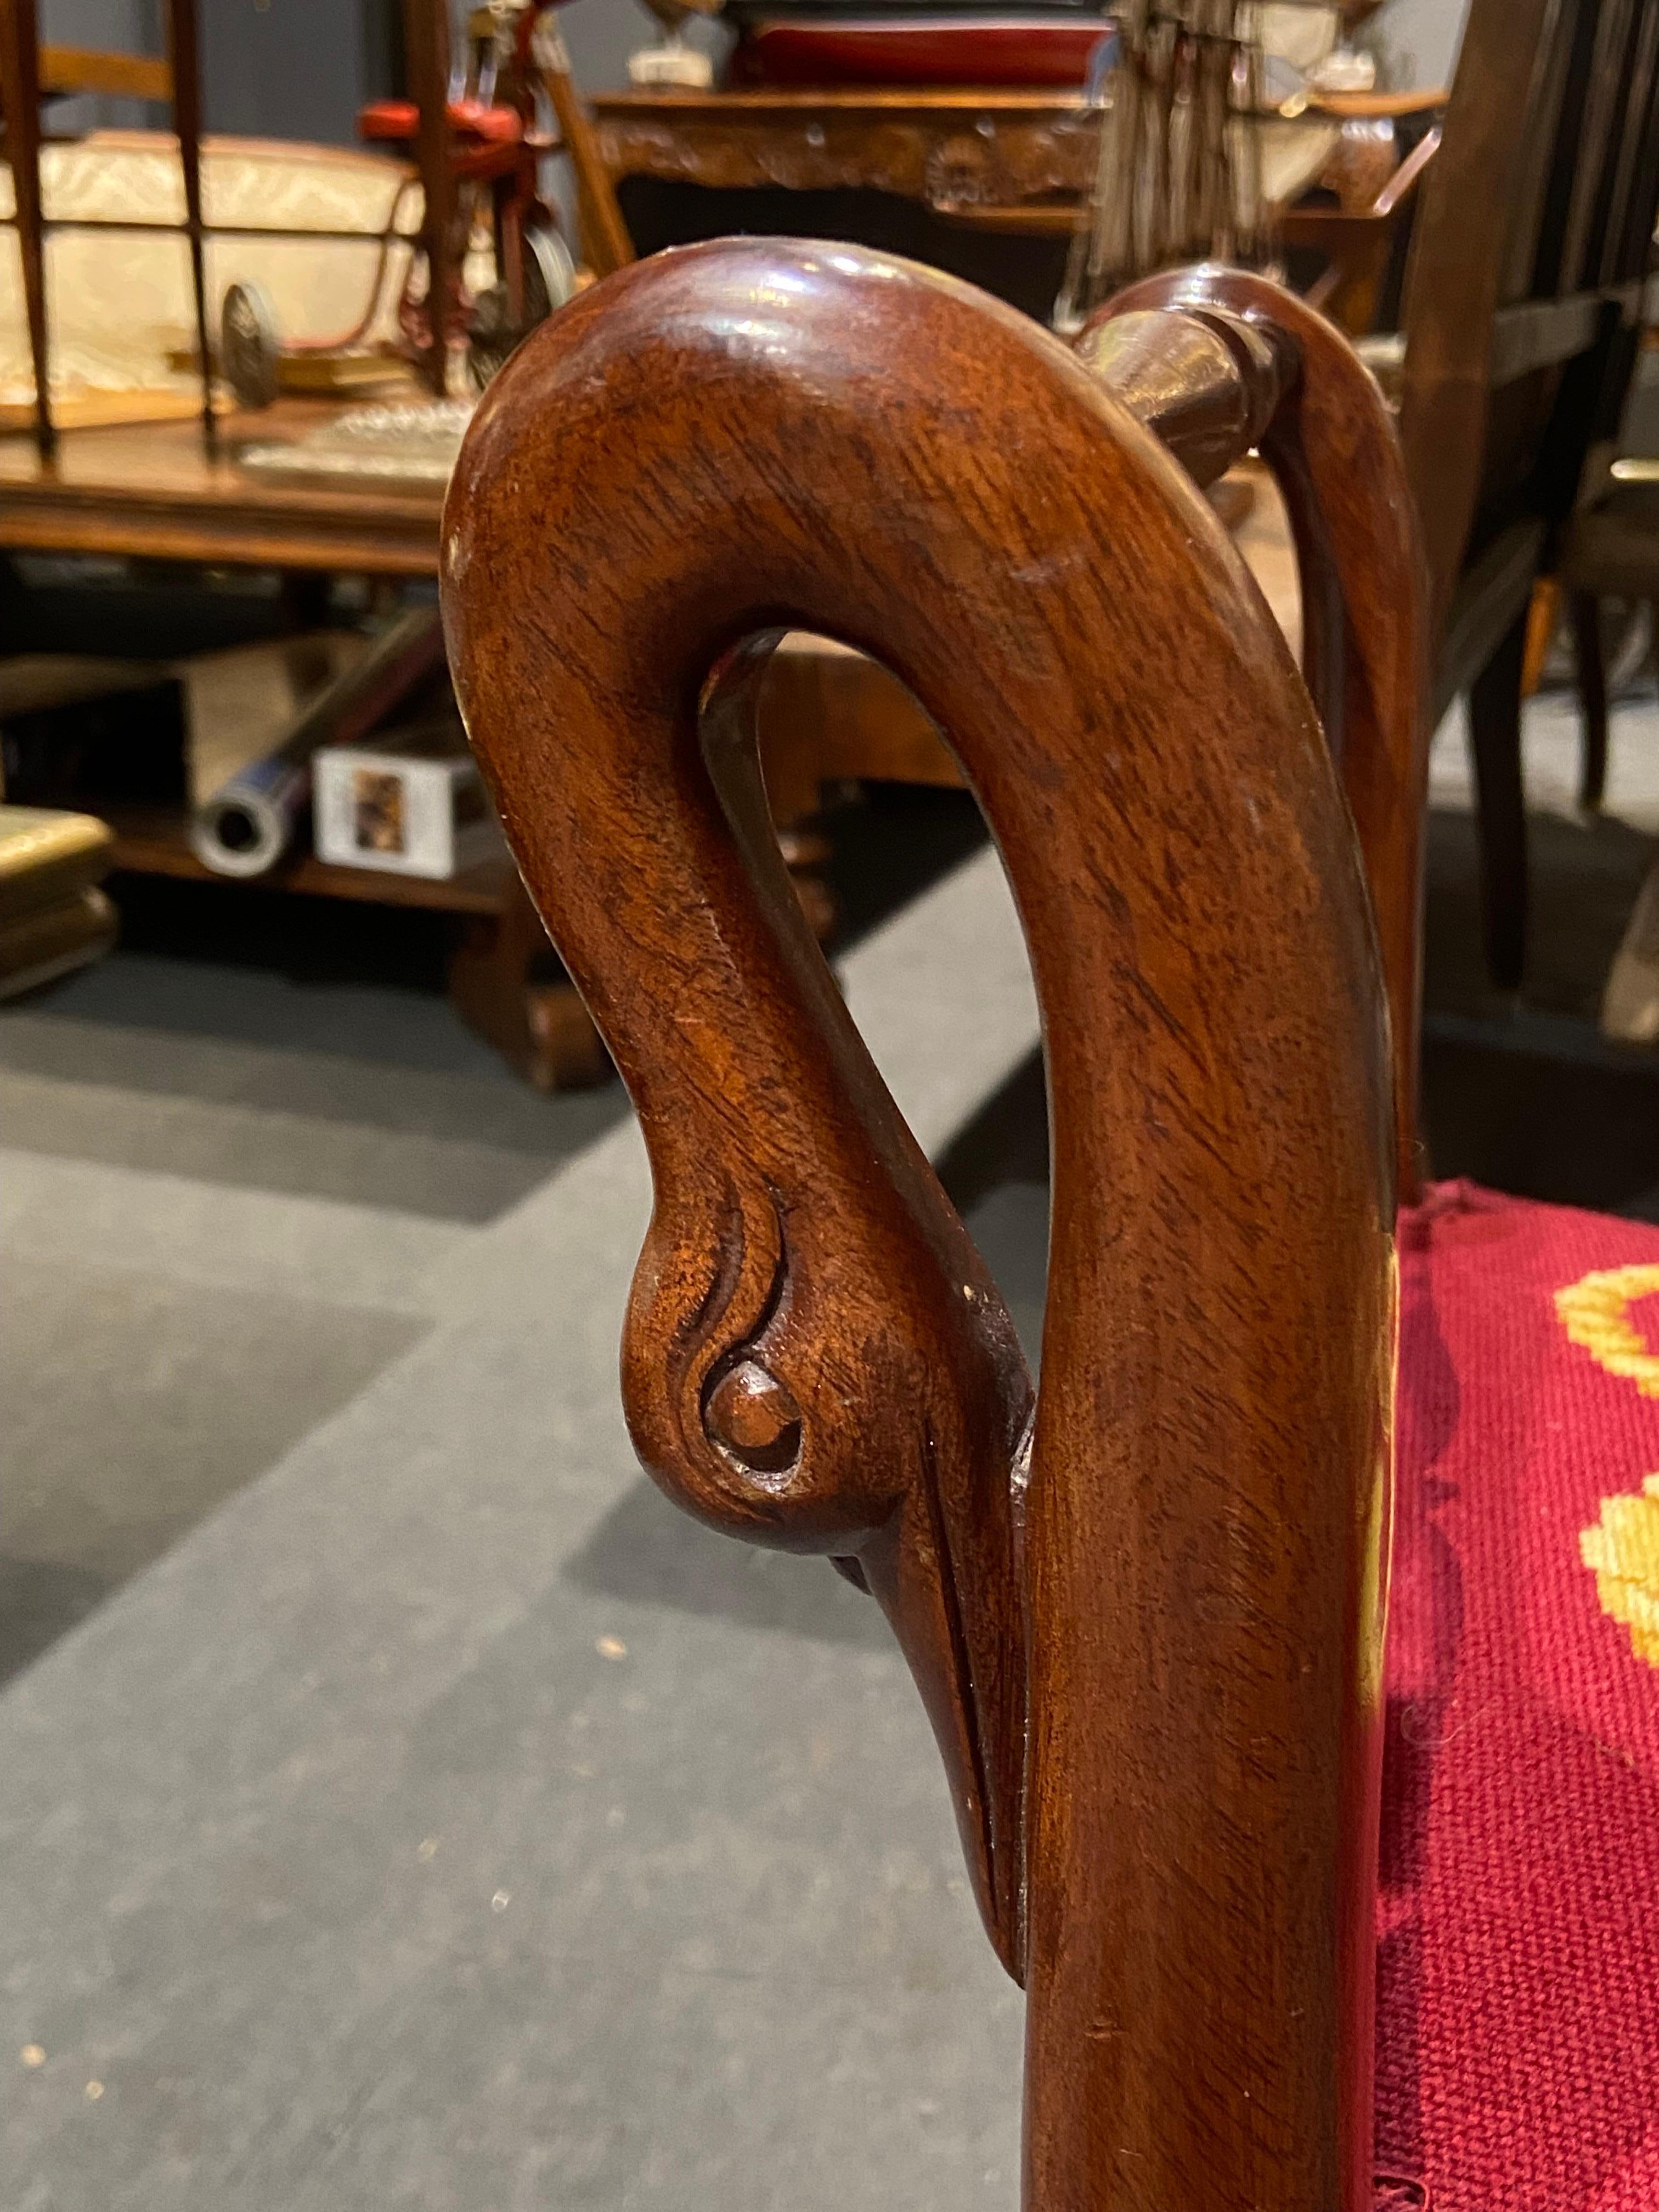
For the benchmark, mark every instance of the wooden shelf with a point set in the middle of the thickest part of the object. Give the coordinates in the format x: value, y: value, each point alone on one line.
x: 154, y: 841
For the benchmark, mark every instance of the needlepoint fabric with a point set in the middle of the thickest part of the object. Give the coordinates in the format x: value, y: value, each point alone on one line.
x: 1518, y: 1913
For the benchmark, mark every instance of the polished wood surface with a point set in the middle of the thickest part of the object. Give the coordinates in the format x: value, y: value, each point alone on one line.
x: 1329, y: 438
x: 1205, y: 384
x: 151, y: 490
x: 1148, y: 1630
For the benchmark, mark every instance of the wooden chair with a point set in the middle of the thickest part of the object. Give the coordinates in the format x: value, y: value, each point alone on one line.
x: 1610, y: 551
x: 1176, y: 1583
x: 1524, y: 299
x: 1524, y: 304
x: 1353, y: 219
x: 1146, y: 1611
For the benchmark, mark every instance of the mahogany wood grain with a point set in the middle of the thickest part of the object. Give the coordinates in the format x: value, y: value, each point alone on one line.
x: 1332, y: 445
x: 1147, y: 1628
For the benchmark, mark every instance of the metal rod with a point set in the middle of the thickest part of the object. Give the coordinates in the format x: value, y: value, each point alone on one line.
x: 226, y: 229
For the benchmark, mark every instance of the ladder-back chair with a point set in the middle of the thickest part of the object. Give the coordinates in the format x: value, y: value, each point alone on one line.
x: 1526, y: 296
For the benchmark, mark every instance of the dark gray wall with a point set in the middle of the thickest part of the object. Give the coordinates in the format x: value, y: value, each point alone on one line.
x: 1416, y: 40
x: 301, y: 69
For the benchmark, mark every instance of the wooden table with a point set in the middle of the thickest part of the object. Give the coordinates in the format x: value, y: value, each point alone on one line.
x: 828, y: 714
x: 985, y: 185
x: 153, y: 491
x: 980, y: 157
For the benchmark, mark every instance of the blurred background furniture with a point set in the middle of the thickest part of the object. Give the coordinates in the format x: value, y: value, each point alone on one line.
x: 1609, y: 576
x: 151, y: 492
x: 481, y: 144
x: 53, y: 917
x: 963, y: 138
x: 1525, y: 303
x: 941, y: 175
x: 1353, y: 223
x: 322, y: 238
x: 329, y: 240
x: 1610, y: 553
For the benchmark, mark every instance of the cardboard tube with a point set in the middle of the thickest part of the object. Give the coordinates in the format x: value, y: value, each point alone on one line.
x: 250, y: 822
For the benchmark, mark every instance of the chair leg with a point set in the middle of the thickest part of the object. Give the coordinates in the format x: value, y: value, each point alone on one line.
x: 1586, y: 617
x: 1500, y: 806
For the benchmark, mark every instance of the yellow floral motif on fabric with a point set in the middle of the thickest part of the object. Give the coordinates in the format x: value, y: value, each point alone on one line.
x: 1595, y: 1314
x: 1622, y: 1550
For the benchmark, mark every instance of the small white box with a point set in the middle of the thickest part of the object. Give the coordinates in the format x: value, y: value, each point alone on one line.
x: 407, y: 802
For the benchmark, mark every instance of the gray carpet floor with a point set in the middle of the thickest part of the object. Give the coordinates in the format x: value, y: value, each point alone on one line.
x: 402, y: 1805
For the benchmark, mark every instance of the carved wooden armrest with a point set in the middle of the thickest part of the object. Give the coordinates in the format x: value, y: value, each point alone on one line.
x: 1147, y: 1622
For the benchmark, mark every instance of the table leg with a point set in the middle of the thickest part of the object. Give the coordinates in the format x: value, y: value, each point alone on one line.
x: 535, y: 1020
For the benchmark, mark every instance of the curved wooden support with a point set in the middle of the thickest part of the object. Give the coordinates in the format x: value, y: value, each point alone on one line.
x: 1206, y: 384
x: 1333, y: 449
x: 1147, y: 1631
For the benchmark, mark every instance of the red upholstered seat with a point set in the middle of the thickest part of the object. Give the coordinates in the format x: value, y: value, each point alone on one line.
x: 1518, y: 1932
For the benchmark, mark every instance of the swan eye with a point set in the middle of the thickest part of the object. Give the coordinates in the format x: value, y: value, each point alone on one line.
x: 749, y: 1413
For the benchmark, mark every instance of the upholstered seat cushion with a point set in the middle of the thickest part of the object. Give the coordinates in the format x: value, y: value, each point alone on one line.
x: 1519, y: 1957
